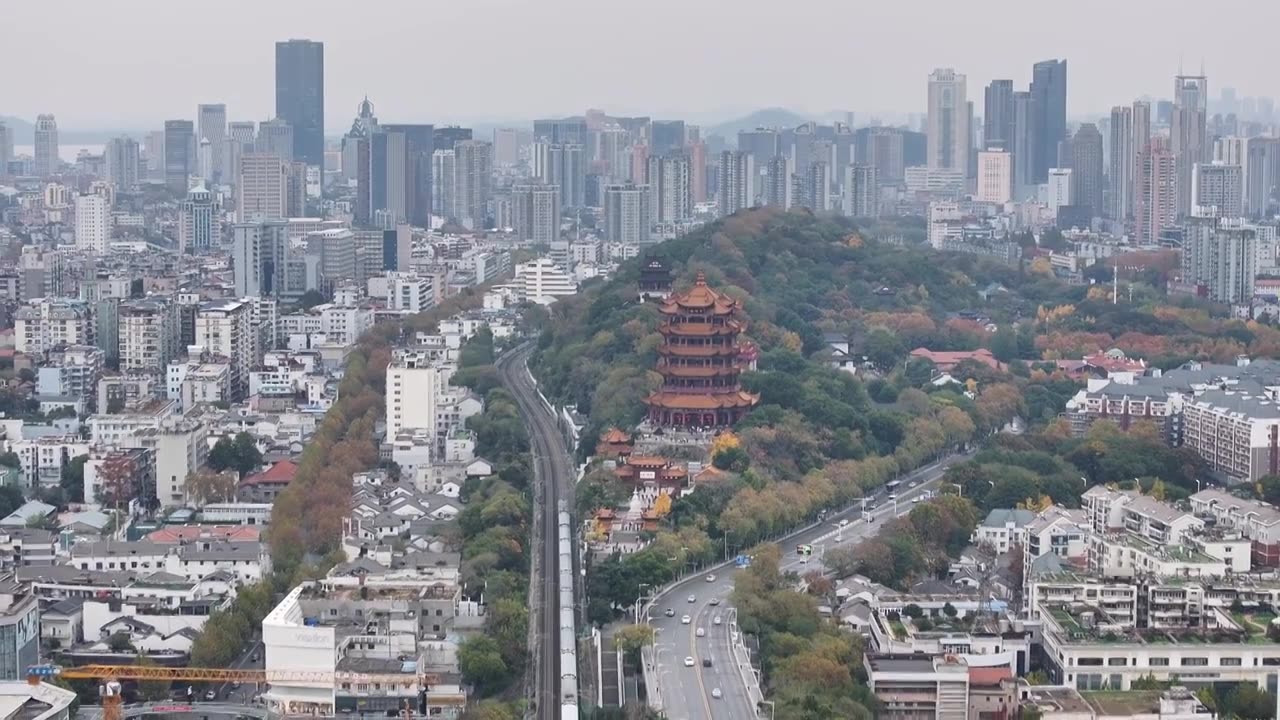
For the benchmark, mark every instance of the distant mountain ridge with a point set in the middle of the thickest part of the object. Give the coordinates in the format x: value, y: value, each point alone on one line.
x: 24, y: 133
x: 768, y: 117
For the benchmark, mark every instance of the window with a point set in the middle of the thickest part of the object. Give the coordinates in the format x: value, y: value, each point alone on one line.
x: 1159, y: 662
x: 1118, y: 662
x: 1194, y: 661
x: 1229, y: 662
x: 1089, y: 661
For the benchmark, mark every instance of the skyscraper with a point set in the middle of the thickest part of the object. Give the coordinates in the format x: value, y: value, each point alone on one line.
x: 93, y: 223
x: 300, y: 96
x: 1155, y: 191
x: 1086, y: 169
x: 418, y: 145
x: 861, y: 191
x: 473, y: 166
x: 1120, y: 174
x: 506, y: 146
x: 6, y: 148
x: 697, y: 171
x: 995, y: 176
x: 276, y: 136
x: 1187, y: 132
x: 199, y: 226
x: 777, y: 190
x: 997, y: 117
x: 442, y: 170
x: 737, y: 182
x: 211, y: 125
x: 262, y: 188
x: 562, y: 165
x: 1049, y: 98
x: 1024, y: 145
x: 536, y: 212
x: 179, y: 155
x: 122, y: 162
x: 155, y: 156
x: 1220, y: 186
x: 884, y: 153
x: 261, y: 256
x: 763, y: 144
x: 627, y: 215
x: 1220, y: 255
x: 669, y: 181
x: 948, y: 129
x: 1262, y: 165
x: 665, y: 136
x: 46, y: 150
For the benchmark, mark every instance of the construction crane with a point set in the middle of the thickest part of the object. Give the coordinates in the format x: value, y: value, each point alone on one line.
x: 111, y: 675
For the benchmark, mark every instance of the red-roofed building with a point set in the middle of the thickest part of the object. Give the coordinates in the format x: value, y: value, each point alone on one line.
x: 614, y: 443
x: 176, y: 534
x: 265, y: 486
x: 992, y: 693
x: 946, y: 360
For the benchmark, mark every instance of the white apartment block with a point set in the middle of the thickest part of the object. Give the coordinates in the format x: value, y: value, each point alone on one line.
x: 262, y: 187
x: 415, y: 384
x: 995, y: 177
x: 93, y: 223
x: 409, y: 292
x: 542, y: 281
x: 247, y: 562
x: 180, y: 446
x: 1257, y: 521
x: 42, y: 459
x: 44, y: 323
x: 149, y: 335
x: 224, y: 328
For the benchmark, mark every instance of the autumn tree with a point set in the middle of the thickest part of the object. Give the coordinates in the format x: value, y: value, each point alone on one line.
x: 207, y: 485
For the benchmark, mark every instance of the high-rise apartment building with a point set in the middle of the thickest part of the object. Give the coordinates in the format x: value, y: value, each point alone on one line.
x: 295, y: 190
x: 1262, y: 165
x: 261, y: 259
x: 149, y: 335
x: 536, y: 212
x: 44, y: 323
x: 995, y: 176
x: 262, y: 189
x: 884, y: 152
x: 627, y: 215
x: 1219, y: 186
x: 1059, y: 186
x: 275, y: 136
x: 199, y: 221
x: 179, y: 155
x: 697, y: 171
x: 862, y: 191
x: 506, y: 146
x: 1155, y: 190
x: 93, y: 223
x: 211, y: 125
x: 737, y: 182
x: 777, y: 188
x: 812, y: 188
x: 122, y: 162
x: 563, y: 166
x: 6, y: 148
x: 1188, y: 132
x: 997, y: 117
x: 948, y: 124
x: 473, y: 168
x: 1049, y: 106
x: 414, y: 387
x: 1234, y: 150
x: 1086, y: 169
x: 1120, y: 175
x: 666, y: 136
x: 47, y: 161
x: 1220, y: 254
x: 669, y: 183
x: 154, y: 146
x: 1024, y: 145
x: 443, y: 163
x: 762, y: 144
x: 300, y: 96
x: 224, y: 328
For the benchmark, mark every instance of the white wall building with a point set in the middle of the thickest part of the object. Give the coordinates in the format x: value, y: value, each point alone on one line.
x: 542, y: 281
x: 995, y: 177
x: 93, y: 223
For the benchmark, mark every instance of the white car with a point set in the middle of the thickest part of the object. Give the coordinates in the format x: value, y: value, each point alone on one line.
x: 915, y: 500
x: 711, y: 578
x: 844, y: 523
x: 715, y: 693
x: 688, y: 662
x: 686, y: 620
x: 701, y: 632
x: 716, y: 620
x: 693, y: 599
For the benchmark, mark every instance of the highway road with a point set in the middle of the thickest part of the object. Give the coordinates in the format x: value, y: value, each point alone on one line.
x: 686, y: 692
x: 552, y: 478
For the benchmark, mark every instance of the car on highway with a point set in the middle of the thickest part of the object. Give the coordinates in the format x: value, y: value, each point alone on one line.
x: 701, y: 632
x: 669, y: 612
x: 913, y: 483
x: 711, y: 578
x: 713, y: 601
x: 915, y: 500
x: 686, y: 620
x: 844, y: 522
x: 693, y: 599
x: 211, y: 695
x: 706, y: 662
x: 715, y: 693
x: 716, y: 620
x: 688, y: 662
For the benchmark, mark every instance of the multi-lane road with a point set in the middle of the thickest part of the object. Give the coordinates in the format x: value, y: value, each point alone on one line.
x: 687, y: 693
x: 552, y: 480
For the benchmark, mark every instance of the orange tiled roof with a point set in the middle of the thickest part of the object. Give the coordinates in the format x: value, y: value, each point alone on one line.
x: 703, y: 402
x: 177, y: 533
x: 281, y: 472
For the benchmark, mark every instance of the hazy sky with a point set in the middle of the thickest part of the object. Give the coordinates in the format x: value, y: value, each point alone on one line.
x: 134, y: 63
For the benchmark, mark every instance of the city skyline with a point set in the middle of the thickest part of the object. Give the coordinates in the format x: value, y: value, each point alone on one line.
x: 357, y: 58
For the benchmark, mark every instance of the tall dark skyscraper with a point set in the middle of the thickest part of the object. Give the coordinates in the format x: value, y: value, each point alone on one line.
x: 997, y: 116
x: 1049, y: 95
x: 1086, y: 169
x: 300, y: 96
x: 665, y: 136
x: 179, y: 154
x: 419, y: 144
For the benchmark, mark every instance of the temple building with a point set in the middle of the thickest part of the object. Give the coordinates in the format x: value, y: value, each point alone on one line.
x: 652, y: 475
x: 614, y: 443
x: 655, y: 280
x: 700, y: 360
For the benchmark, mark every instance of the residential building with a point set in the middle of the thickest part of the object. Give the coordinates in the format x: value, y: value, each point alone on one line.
x: 415, y: 383
x: 1221, y: 256
x: 671, y: 200
x: 148, y: 335
x: 1255, y: 520
x: 919, y: 686
x: 44, y: 323
x: 627, y: 214
x: 47, y: 160
x: 179, y: 155
x: 443, y: 169
x: 737, y: 182
x: 536, y: 211
x: 93, y: 223
x: 122, y: 162
x: 180, y: 447
x: 542, y: 281
x: 862, y: 191
x: 1219, y: 186
x: 224, y: 329
x: 1087, y: 169
x: 211, y: 126
x: 72, y: 371
x: 19, y: 629
x: 409, y: 292
x: 265, y: 262
x: 1058, y: 189
x: 1188, y: 136
x: 1155, y: 192
x: 1121, y: 166
x: 300, y: 96
x: 473, y: 166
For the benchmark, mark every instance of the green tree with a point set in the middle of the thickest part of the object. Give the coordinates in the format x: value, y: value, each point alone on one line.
x: 480, y: 660
x: 10, y: 459
x: 1269, y: 486
x: 1004, y: 344
x: 72, y: 480
x: 631, y: 638
x: 119, y: 642
x: 1249, y: 702
x: 884, y: 349
x: 311, y: 298
x: 10, y: 499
